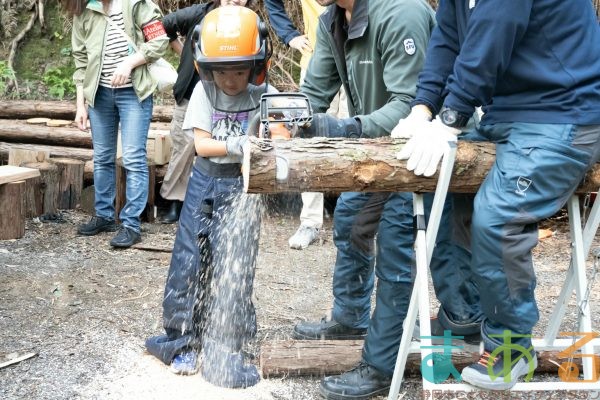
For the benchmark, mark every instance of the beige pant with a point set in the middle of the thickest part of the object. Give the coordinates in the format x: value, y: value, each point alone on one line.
x: 182, y: 157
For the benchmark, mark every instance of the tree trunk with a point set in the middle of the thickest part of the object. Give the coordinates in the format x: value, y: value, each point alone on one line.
x: 18, y: 156
x: 55, y: 151
x: 20, y: 131
x: 12, y: 221
x: 331, y: 357
x: 49, y: 185
x: 71, y: 182
x: 361, y: 165
x: 23, y: 109
x: 34, y: 197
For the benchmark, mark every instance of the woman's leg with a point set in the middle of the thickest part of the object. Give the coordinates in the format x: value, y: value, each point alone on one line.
x: 135, y: 121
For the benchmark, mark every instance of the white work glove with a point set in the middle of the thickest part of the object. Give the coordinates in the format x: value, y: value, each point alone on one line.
x: 235, y: 145
x: 426, y: 148
x: 416, y: 121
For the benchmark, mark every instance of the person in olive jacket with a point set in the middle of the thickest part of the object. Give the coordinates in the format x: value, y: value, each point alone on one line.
x: 113, y: 41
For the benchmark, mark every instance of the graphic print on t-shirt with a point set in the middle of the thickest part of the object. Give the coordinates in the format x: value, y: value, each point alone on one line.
x: 229, y: 124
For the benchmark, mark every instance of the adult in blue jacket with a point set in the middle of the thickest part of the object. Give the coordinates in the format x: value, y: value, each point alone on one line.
x: 534, y: 67
x: 356, y: 49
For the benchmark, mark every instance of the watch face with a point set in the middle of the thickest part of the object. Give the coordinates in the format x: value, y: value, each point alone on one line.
x: 449, y: 117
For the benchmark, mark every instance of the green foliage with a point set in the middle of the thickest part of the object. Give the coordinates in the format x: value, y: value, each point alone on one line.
x: 6, y: 75
x: 59, y: 82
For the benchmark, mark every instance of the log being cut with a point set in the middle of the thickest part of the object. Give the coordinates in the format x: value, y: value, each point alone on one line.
x: 361, y: 165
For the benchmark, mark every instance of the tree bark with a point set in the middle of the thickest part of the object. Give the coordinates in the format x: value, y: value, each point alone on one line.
x: 12, y: 223
x: 20, y: 131
x: 49, y: 185
x: 71, y: 182
x: 34, y: 197
x: 361, y: 165
x: 331, y: 357
x: 23, y: 109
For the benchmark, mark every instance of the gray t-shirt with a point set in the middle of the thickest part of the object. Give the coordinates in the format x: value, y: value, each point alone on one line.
x: 214, y: 111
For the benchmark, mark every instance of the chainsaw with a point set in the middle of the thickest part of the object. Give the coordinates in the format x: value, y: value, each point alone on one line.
x: 282, y: 115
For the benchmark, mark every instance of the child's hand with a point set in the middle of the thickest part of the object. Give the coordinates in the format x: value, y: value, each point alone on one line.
x: 235, y: 145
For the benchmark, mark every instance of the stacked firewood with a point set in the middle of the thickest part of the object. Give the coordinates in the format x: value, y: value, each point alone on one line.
x: 48, y: 126
x: 41, y: 135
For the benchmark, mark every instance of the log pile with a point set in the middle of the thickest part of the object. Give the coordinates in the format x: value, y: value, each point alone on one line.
x: 24, y: 109
x: 41, y: 135
x: 47, y: 127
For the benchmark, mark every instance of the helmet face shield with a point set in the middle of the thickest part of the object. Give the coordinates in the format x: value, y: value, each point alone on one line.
x: 232, y: 37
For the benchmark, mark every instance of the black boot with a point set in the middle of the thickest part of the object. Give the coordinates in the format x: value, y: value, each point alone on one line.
x: 327, y: 330
x: 360, y: 383
x: 172, y: 215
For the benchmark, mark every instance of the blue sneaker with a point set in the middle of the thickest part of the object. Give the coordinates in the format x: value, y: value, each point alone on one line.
x: 185, y: 363
x: 496, y: 373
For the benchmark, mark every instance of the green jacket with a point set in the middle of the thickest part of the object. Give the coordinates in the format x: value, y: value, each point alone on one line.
x: 89, y: 35
x: 378, y: 60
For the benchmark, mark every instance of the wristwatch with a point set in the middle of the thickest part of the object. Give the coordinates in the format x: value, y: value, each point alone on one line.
x: 453, y: 118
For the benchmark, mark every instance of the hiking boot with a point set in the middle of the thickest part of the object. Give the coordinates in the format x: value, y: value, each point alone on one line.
x: 126, y: 237
x: 185, y: 363
x: 225, y: 368
x: 96, y: 225
x: 327, y: 330
x: 469, y: 330
x: 172, y: 215
x: 497, y: 373
x: 438, y: 333
x: 360, y: 383
x: 304, y: 236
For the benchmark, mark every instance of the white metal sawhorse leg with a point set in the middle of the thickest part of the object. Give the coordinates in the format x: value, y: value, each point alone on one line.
x: 576, y: 280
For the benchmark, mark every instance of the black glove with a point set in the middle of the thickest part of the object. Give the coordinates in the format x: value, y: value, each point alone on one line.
x: 325, y: 125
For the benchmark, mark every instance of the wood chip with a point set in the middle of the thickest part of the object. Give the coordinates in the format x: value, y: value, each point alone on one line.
x: 38, y: 120
x: 58, y: 122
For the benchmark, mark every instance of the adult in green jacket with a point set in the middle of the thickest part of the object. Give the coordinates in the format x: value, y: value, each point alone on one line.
x: 113, y: 80
x: 375, y: 49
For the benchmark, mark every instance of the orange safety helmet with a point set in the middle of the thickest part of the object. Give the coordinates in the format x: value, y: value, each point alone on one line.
x: 231, y: 37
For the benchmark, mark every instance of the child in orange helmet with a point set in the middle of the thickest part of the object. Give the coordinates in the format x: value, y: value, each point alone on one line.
x: 207, y: 302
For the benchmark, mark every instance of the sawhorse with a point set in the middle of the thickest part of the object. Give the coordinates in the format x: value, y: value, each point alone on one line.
x: 575, y: 280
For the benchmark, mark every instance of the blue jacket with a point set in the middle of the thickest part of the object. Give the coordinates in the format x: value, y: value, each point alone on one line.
x: 522, y: 60
x: 280, y: 21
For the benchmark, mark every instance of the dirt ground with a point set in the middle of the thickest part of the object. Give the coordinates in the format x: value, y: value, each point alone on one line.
x: 86, y: 310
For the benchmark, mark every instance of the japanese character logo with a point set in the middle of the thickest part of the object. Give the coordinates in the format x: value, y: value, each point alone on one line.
x: 409, y: 46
